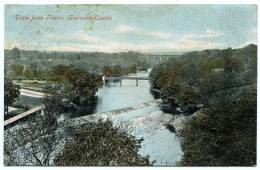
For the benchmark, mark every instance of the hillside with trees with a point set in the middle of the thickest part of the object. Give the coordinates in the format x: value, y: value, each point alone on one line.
x: 32, y: 64
x: 219, y: 88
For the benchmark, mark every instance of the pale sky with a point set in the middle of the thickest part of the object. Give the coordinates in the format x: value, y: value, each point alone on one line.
x: 143, y: 28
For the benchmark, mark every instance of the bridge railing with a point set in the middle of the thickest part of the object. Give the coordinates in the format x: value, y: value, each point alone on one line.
x: 126, y: 78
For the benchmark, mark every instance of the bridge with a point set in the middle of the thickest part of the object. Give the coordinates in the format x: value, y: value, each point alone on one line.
x: 125, y: 78
x: 36, y: 94
x: 40, y: 109
x: 159, y: 58
x: 28, y: 93
x: 23, y: 115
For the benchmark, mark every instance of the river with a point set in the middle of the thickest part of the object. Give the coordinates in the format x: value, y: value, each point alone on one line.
x: 143, y: 116
x: 148, y: 122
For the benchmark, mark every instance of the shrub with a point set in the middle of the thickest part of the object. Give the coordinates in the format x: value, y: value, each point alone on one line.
x: 101, y: 144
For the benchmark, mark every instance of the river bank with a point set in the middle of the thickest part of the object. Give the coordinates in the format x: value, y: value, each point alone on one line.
x: 148, y: 122
x: 128, y: 106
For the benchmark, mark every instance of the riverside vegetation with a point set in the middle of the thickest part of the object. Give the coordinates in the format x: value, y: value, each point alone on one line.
x: 40, y: 136
x: 220, y: 87
x: 36, y: 141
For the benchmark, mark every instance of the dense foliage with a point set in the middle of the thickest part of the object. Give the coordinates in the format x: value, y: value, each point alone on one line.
x: 224, y: 135
x: 204, y: 74
x: 32, y: 141
x: 12, y: 92
x: 223, y: 82
x: 71, y: 88
x: 81, y: 81
x: 22, y: 64
x: 116, y: 71
x: 102, y: 144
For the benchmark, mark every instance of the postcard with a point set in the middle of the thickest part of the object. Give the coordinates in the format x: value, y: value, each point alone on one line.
x: 165, y: 85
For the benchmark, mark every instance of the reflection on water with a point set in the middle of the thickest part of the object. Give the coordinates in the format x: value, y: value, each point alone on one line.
x: 148, y: 123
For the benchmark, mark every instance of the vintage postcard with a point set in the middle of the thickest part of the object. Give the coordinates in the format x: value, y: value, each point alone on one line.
x: 130, y: 85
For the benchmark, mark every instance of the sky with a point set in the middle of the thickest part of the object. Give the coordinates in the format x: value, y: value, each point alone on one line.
x: 143, y: 28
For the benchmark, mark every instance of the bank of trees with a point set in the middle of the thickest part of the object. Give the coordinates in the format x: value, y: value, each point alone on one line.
x: 68, y: 84
x: 117, y: 71
x: 222, y: 135
x: 72, y: 87
x: 92, y: 61
x: 206, y: 73
x: 223, y: 82
x: 28, y: 72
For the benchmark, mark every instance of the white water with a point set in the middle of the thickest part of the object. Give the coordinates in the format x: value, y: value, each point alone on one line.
x: 162, y: 145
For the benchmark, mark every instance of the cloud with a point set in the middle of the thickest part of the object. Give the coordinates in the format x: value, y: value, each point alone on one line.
x: 159, y: 34
x: 208, y: 34
x: 213, y: 33
x: 22, y: 44
x: 126, y: 29
x: 190, y: 45
x: 82, y: 41
x: 180, y: 45
x: 76, y: 37
x: 117, y: 46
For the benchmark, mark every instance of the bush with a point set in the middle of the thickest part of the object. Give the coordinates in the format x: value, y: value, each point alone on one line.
x: 101, y: 144
x: 224, y: 135
x: 170, y: 91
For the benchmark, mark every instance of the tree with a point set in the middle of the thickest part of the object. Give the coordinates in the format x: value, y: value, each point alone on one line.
x: 211, y: 83
x: 117, y: 71
x: 16, y: 53
x: 101, y: 144
x: 17, y: 69
x: 77, y: 85
x: 12, y: 92
x: 222, y: 135
x: 169, y: 92
x: 33, y: 141
x: 107, y: 71
x: 188, y: 99
x: 232, y: 64
x: 155, y: 75
x: 223, y: 131
x: 131, y: 69
x: 166, y: 77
